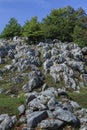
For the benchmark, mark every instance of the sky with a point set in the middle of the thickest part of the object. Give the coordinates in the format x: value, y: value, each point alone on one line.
x: 24, y: 10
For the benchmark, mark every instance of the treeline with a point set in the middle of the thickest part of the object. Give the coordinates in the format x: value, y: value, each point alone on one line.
x: 65, y: 24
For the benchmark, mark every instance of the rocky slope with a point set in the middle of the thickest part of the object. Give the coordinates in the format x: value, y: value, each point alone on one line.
x: 45, y: 75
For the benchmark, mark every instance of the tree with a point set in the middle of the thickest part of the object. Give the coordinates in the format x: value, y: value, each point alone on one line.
x: 80, y: 36
x: 59, y: 24
x: 13, y: 28
x: 32, y: 30
x: 80, y: 30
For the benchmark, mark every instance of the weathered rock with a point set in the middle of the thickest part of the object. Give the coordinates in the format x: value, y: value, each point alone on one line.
x: 36, y: 117
x: 14, y: 119
x: 50, y: 92
x: 30, y: 98
x: 36, y: 104
x: 11, y: 54
x: 22, y: 119
x: 3, y: 52
x: 84, y: 50
x: 35, y: 82
x: 21, y: 109
x: 51, y: 124
x: 6, y: 124
x: 3, y: 116
x: 75, y: 105
x: 67, y: 116
x: 52, y: 103
x: 47, y: 64
x: 54, y: 51
x: 79, y: 66
x: 44, y: 86
x: 47, y: 55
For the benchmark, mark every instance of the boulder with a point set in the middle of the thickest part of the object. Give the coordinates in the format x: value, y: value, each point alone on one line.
x: 54, y: 51
x: 30, y: 98
x: 66, y: 116
x: 84, y: 50
x: 50, y: 92
x: 47, y: 64
x: 36, y: 104
x: 35, y: 82
x: 47, y: 55
x: 21, y: 109
x: 52, y: 103
x: 3, y: 116
x: 7, y: 123
x: 78, y: 66
x: 51, y: 124
x: 11, y: 54
x: 36, y: 117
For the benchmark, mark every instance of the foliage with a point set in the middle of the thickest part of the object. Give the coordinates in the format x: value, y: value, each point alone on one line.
x: 13, y: 28
x: 80, y: 36
x: 59, y: 24
x: 32, y: 30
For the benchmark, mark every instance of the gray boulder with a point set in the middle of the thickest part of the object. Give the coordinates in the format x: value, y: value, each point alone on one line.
x: 51, y: 124
x: 79, y: 66
x: 36, y: 104
x: 52, y: 103
x: 66, y: 116
x: 36, y: 117
x: 35, y: 82
x: 6, y: 124
x: 47, y: 64
x: 21, y: 109
x: 11, y: 54
x: 30, y: 98
x: 3, y: 116
x: 54, y: 51
x: 50, y: 92
x: 84, y: 50
x: 47, y: 55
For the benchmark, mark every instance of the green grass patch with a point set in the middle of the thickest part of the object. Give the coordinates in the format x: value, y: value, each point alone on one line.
x: 51, y: 83
x: 8, y: 62
x: 86, y: 67
x: 5, y: 84
x: 81, y: 97
x: 10, y: 104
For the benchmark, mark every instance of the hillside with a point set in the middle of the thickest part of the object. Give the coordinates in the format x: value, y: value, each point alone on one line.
x: 43, y: 86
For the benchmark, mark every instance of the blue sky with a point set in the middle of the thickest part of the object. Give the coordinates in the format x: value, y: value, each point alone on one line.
x: 23, y: 10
